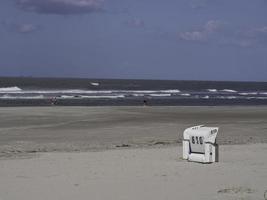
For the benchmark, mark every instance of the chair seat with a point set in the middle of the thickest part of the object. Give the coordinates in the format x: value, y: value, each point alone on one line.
x: 196, y: 157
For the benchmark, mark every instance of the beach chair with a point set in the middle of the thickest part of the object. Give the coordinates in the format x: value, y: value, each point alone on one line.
x: 199, y: 144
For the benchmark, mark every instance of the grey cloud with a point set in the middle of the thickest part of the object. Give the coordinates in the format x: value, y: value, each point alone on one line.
x: 248, y: 37
x: 237, y: 41
x: 193, y: 36
x: 217, y: 32
x: 26, y: 28
x: 203, y: 33
x: 135, y: 22
x: 23, y: 28
x: 256, y: 36
x: 256, y: 32
x: 197, y: 4
x: 61, y: 7
x: 212, y: 26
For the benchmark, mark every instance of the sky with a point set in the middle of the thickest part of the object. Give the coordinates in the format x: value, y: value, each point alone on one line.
x: 136, y: 39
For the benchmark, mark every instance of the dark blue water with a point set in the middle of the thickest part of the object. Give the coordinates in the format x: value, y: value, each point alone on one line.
x: 98, y: 92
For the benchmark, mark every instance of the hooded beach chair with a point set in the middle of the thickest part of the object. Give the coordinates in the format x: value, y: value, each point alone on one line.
x: 199, y: 144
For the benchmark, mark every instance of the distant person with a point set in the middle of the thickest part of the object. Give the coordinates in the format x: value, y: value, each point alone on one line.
x: 145, y: 102
x: 53, y: 101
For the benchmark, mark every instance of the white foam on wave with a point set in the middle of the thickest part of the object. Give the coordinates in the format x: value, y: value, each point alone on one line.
x: 170, y: 91
x: 206, y: 97
x: 22, y: 97
x: 10, y: 89
x: 140, y: 91
x: 160, y: 95
x: 65, y: 97
x: 95, y: 84
x: 262, y: 98
x: 59, y: 91
x: 185, y: 95
x: 263, y: 93
x: 90, y: 97
x: 103, y: 97
x: 138, y: 95
x: 16, y: 90
x: 248, y: 93
x: 78, y: 91
x: 212, y: 90
x: 227, y: 97
x: 231, y: 97
x: 228, y: 90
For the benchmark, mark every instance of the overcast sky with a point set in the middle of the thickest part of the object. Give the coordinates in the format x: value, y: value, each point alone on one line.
x: 143, y: 39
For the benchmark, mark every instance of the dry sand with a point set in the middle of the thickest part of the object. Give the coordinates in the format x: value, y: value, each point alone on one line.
x: 112, y: 158
x: 130, y: 174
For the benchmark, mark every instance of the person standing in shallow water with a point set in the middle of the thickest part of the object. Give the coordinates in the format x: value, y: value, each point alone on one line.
x: 145, y: 102
x: 53, y: 101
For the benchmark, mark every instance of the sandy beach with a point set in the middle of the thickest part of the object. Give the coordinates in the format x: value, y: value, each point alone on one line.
x: 156, y: 173
x: 129, y: 153
x: 50, y: 129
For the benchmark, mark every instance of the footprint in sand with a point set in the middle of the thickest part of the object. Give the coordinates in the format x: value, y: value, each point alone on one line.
x: 237, y: 192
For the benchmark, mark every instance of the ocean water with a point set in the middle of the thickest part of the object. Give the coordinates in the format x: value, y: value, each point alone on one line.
x: 98, y: 92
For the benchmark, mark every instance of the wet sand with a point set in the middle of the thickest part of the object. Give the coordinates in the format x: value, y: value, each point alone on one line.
x: 50, y: 129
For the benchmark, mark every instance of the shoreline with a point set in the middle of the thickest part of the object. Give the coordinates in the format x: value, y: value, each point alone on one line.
x: 131, y: 102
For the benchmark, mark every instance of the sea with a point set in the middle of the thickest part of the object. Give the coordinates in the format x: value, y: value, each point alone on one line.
x: 29, y: 91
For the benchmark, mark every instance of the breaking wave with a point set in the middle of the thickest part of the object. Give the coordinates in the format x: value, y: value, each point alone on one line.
x: 22, y: 97
x: 228, y: 90
x: 160, y: 95
x: 103, y: 97
x: 206, y: 97
x: 186, y: 95
x: 247, y: 93
x: 170, y: 91
x: 212, y: 90
x: 10, y: 89
x: 115, y: 93
x: 95, y: 84
x: 227, y: 97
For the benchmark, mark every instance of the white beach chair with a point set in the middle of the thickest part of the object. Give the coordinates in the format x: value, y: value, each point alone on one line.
x: 199, y: 144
